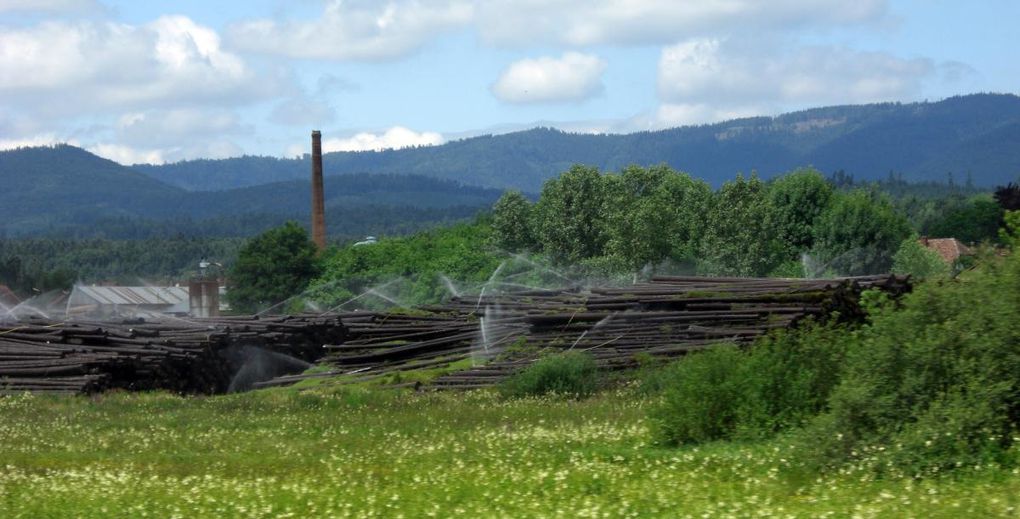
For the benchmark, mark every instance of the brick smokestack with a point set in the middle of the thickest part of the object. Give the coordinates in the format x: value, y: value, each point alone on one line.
x: 318, y: 205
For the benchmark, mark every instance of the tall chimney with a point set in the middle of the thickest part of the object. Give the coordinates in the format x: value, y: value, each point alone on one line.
x: 318, y: 206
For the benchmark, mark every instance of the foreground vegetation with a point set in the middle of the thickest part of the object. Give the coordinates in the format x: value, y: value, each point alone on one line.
x: 915, y: 413
x: 360, y: 453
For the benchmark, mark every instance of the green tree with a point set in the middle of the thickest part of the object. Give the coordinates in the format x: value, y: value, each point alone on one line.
x: 739, y: 240
x: 512, y: 222
x: 571, y: 215
x: 271, y: 267
x: 858, y: 234
x: 797, y: 200
x: 1010, y: 233
x: 918, y: 261
x: 424, y: 268
x: 653, y: 214
x: 975, y: 221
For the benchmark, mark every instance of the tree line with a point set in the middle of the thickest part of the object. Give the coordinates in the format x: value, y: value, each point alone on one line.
x: 797, y: 224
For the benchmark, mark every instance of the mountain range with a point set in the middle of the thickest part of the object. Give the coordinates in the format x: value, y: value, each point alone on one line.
x: 64, y: 190
x: 974, y: 135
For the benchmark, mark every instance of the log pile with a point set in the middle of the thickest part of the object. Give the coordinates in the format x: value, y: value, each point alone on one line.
x: 486, y: 337
x: 662, y: 319
x: 199, y: 356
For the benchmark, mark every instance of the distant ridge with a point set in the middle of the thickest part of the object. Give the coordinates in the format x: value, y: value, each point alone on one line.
x: 65, y: 190
x: 977, y: 134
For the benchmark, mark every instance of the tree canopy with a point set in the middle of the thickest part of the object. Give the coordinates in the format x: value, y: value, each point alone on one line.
x: 272, y: 267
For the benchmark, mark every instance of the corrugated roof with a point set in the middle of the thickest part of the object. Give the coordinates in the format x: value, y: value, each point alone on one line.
x: 133, y: 295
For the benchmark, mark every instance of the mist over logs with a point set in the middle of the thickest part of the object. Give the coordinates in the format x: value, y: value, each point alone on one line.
x: 200, y: 356
x: 659, y: 320
x: 501, y: 334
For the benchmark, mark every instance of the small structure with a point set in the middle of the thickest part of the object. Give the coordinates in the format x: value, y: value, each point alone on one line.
x: 204, y: 291
x: 110, y: 302
x: 949, y: 249
x: 204, y: 297
x: 369, y: 240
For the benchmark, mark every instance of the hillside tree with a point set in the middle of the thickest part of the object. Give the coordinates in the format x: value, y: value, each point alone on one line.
x: 797, y: 199
x: 571, y: 215
x: 739, y: 239
x: 858, y: 234
x: 272, y: 267
x: 512, y: 222
x: 654, y: 214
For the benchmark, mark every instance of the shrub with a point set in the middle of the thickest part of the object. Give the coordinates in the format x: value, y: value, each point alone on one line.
x: 918, y: 261
x: 934, y: 384
x: 782, y: 381
x: 571, y: 373
x: 702, y: 399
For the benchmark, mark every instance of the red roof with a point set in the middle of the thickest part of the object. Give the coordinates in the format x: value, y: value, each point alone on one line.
x: 7, y: 296
x: 949, y: 249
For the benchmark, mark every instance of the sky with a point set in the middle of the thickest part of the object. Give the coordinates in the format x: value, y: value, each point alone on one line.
x: 163, y: 81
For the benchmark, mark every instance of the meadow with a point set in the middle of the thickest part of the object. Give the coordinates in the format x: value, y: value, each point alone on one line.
x: 363, y: 452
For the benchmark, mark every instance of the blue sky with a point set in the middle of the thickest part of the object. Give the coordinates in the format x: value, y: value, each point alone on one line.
x: 161, y: 81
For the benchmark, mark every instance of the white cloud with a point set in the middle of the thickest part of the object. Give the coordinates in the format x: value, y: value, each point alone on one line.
x: 572, y: 77
x: 371, y: 30
x: 45, y: 139
x: 158, y: 136
x: 171, y: 127
x: 669, y: 114
x: 730, y: 75
x: 394, y: 138
x: 358, y: 30
x: 586, y: 22
x: 72, y: 68
x: 127, y: 155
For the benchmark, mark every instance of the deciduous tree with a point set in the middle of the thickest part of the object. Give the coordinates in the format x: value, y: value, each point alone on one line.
x: 271, y: 267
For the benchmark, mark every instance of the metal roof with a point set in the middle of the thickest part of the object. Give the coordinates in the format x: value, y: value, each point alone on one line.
x: 132, y: 295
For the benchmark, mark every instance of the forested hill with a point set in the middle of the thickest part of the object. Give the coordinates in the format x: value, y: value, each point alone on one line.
x: 67, y: 191
x: 975, y: 134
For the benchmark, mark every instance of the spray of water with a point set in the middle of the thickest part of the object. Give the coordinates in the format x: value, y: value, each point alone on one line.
x: 258, y: 365
x: 363, y: 294
x: 303, y: 295
x: 450, y: 287
x: 25, y: 309
x: 485, y: 333
x: 519, y: 285
x: 598, y: 325
x: 488, y: 283
x: 490, y: 335
x: 522, y: 258
x: 5, y: 313
x: 384, y: 297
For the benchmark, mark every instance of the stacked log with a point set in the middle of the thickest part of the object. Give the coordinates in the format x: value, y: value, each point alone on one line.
x: 659, y: 320
x: 183, y: 356
x: 501, y: 334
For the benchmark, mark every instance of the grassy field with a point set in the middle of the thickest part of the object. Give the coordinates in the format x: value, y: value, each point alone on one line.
x: 370, y: 453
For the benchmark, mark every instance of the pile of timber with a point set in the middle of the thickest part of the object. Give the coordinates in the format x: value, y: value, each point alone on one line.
x: 195, y: 356
x: 499, y: 334
x: 503, y: 333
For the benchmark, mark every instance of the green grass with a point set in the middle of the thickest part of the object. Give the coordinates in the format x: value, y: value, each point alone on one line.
x: 359, y: 452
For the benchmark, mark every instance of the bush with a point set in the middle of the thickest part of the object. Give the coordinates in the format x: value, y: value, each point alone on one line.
x: 918, y: 261
x: 702, y: 400
x: 571, y: 373
x: 782, y: 381
x: 934, y: 384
